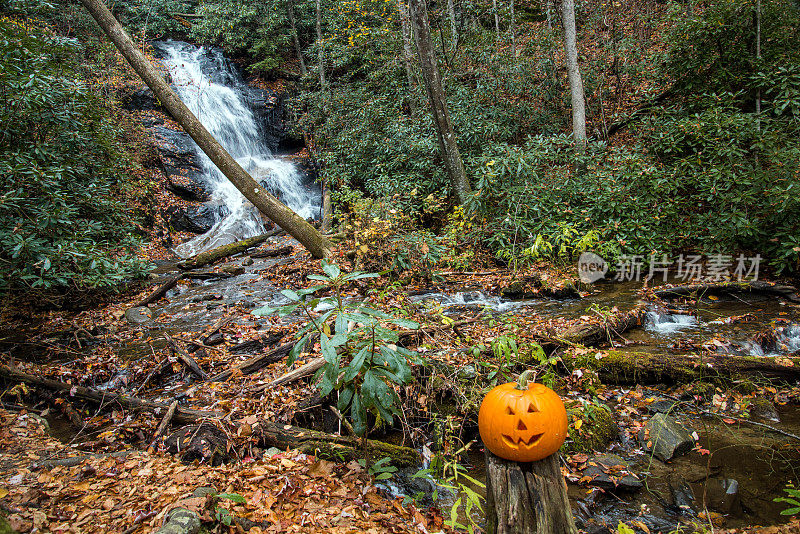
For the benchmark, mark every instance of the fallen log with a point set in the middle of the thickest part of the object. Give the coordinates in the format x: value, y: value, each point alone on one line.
x: 256, y: 344
x: 715, y: 288
x: 296, y: 374
x: 617, y: 367
x: 160, y: 291
x: 404, y: 335
x: 273, y: 252
x: 331, y: 446
x: 182, y: 415
x: 206, y: 258
x: 255, y: 363
x: 321, y: 444
x: 594, y: 334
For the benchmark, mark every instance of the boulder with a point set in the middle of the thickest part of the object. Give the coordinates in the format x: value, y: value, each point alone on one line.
x: 197, y: 219
x: 181, y: 163
x: 763, y: 409
x: 665, y: 438
x: 139, y: 315
x: 611, y: 472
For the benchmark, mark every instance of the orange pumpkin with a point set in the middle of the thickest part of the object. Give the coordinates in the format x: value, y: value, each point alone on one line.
x: 523, y: 423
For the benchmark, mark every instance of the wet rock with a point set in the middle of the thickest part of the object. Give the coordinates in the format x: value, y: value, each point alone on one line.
x: 664, y: 406
x: 523, y: 288
x: 665, y: 438
x: 763, y: 409
x: 248, y: 261
x: 683, y: 497
x: 195, y: 219
x: 181, y: 163
x: 141, y: 99
x: 466, y: 372
x: 723, y: 495
x: 611, y: 472
x: 138, y: 315
x: 181, y: 521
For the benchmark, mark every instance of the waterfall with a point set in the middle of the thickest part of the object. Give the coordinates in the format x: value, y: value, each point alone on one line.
x: 216, y: 93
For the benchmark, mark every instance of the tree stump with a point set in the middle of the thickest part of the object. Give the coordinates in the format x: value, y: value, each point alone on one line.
x: 527, y: 498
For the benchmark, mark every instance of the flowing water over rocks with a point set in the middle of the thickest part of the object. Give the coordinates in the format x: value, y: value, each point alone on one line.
x: 242, y: 119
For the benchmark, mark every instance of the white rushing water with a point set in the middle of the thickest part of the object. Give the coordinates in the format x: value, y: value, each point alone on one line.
x: 217, y: 95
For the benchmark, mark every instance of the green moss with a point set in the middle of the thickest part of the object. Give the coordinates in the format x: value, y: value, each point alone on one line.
x: 5, y: 528
x: 596, y: 432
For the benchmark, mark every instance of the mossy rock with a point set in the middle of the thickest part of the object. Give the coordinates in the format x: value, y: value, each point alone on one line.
x: 5, y: 527
x: 597, y: 431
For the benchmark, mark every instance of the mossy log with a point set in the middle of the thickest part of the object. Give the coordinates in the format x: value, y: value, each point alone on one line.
x: 333, y: 447
x: 617, y: 367
x: 757, y: 286
x: 208, y: 257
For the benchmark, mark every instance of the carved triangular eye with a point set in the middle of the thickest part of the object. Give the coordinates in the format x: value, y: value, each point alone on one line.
x: 509, y: 411
x: 521, y: 425
x: 532, y: 408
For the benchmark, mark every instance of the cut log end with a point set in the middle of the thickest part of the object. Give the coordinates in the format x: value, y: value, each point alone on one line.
x: 527, y: 498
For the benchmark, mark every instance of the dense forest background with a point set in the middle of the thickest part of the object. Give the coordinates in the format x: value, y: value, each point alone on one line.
x: 692, y: 112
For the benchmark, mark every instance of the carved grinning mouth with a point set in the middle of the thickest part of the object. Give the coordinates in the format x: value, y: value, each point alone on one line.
x: 516, y: 444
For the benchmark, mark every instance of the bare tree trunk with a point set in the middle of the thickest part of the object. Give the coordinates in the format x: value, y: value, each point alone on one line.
x: 321, y: 53
x: 267, y: 204
x: 451, y: 12
x: 408, y: 54
x: 758, y: 62
x: 574, y: 74
x: 295, y: 37
x: 496, y: 20
x: 548, y: 10
x: 513, y: 31
x: 441, y: 117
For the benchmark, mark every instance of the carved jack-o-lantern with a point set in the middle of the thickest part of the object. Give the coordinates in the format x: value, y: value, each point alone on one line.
x: 522, y: 423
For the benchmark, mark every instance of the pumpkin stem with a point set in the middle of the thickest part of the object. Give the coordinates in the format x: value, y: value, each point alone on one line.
x: 525, y: 378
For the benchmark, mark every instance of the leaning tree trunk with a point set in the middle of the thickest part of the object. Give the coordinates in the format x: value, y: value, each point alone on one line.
x: 433, y: 85
x: 295, y: 37
x: 496, y: 20
x: 267, y: 204
x: 574, y: 74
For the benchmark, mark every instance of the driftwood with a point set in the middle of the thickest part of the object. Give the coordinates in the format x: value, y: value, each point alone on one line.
x: 255, y: 363
x: 329, y: 446
x: 206, y: 258
x: 295, y: 374
x: 162, y: 426
x: 160, y: 291
x: 273, y: 252
x: 183, y: 356
x: 757, y: 286
x: 527, y: 498
x: 619, y: 367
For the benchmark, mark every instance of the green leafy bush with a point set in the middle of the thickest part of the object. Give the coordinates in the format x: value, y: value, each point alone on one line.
x: 62, y: 226
x: 363, y: 362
